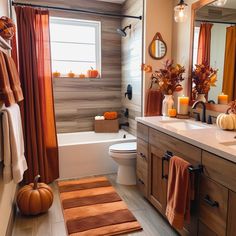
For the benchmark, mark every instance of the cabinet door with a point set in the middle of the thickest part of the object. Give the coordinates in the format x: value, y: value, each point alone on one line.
x: 213, y: 205
x: 158, y: 184
x: 231, y: 214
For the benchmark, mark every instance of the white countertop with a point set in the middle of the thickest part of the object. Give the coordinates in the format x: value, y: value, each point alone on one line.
x: 209, y: 138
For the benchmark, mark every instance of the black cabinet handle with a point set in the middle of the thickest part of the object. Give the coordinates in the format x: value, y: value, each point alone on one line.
x: 162, y: 169
x: 140, y: 181
x: 210, y: 202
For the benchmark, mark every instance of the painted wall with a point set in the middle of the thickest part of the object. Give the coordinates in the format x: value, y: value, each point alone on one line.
x: 158, y: 18
x: 181, y: 41
x: 132, y: 52
x: 7, y: 191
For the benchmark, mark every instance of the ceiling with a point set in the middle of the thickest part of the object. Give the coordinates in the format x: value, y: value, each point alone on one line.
x: 113, y: 1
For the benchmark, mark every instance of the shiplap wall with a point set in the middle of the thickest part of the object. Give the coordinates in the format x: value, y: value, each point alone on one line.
x: 131, y: 61
x: 77, y: 101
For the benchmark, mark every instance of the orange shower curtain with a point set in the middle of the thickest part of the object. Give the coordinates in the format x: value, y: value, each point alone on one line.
x: 204, y: 44
x: 38, y: 108
x: 229, y: 79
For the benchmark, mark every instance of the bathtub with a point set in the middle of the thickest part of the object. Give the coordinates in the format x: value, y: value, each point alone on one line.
x: 86, y: 153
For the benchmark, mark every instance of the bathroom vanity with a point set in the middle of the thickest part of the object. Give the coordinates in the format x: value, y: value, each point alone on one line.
x: 213, y: 211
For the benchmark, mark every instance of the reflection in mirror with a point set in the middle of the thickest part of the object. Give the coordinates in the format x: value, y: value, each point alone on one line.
x: 157, y: 48
x: 214, y: 43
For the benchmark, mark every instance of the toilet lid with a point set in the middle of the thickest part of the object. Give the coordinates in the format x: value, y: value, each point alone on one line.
x: 124, y: 147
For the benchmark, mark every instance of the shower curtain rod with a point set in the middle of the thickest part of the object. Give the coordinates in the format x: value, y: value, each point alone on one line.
x: 218, y: 22
x: 77, y: 10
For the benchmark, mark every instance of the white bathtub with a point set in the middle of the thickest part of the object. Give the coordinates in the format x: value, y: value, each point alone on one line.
x: 86, y: 153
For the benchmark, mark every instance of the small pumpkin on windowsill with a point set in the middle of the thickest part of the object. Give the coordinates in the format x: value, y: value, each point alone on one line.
x: 82, y: 76
x: 71, y: 74
x: 227, y: 121
x: 56, y: 74
x: 92, y: 73
x: 35, y: 198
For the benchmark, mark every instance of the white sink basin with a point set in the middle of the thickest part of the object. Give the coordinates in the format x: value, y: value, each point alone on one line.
x: 184, y: 124
x: 230, y: 144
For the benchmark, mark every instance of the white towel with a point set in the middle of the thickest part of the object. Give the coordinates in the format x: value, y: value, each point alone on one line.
x: 14, y: 160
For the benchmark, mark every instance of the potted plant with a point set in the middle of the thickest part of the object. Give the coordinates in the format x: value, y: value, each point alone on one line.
x: 168, y: 81
x: 203, y: 78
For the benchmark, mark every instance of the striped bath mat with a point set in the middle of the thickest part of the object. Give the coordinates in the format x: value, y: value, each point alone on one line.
x: 92, y: 207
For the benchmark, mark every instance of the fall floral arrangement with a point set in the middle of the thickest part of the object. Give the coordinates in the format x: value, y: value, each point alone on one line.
x: 203, y: 77
x: 168, y: 79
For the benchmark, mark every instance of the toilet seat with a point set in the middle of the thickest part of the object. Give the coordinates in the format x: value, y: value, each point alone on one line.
x: 123, y: 148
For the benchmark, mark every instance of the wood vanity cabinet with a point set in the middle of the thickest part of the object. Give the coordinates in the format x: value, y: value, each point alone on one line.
x: 213, y: 212
x: 142, y: 159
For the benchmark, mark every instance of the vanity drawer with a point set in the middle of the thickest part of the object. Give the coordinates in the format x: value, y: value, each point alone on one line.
x: 213, y: 205
x: 179, y: 148
x: 142, y: 181
x: 220, y: 170
x: 142, y: 149
x: 142, y: 131
x: 203, y: 230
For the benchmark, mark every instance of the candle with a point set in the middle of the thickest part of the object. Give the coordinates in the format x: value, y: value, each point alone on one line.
x: 172, y: 112
x: 183, y: 105
x: 222, y: 98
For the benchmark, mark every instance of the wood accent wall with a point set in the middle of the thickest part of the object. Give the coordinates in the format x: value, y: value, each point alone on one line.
x: 78, y: 101
x: 131, y: 61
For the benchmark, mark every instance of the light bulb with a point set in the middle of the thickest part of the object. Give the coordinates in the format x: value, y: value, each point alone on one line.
x: 181, y: 12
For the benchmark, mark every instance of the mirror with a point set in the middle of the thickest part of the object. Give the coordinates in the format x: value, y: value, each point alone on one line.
x: 213, y: 42
x: 157, y: 48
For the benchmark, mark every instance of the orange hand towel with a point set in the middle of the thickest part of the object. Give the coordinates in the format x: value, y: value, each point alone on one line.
x: 14, y: 78
x: 178, y: 192
x: 154, y: 103
x: 6, y: 94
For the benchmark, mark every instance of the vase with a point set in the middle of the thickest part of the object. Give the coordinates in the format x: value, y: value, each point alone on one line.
x: 167, y: 103
x: 201, y: 97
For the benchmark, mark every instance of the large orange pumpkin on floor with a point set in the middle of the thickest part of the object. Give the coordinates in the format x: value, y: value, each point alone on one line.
x: 34, y: 198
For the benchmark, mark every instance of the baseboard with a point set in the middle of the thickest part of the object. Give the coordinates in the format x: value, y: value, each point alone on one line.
x: 11, y: 221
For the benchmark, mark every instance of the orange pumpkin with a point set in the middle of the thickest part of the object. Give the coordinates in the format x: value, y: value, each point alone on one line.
x: 112, y: 115
x: 82, y: 76
x: 56, y: 74
x: 34, y: 198
x: 93, y: 73
x: 71, y: 74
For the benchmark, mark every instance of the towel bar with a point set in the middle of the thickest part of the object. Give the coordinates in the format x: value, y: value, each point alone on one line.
x: 198, y: 169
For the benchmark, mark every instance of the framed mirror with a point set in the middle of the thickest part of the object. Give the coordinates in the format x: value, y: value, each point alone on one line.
x: 212, y: 30
x: 158, y: 47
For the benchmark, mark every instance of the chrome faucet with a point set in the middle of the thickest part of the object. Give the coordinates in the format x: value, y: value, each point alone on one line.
x: 203, y: 109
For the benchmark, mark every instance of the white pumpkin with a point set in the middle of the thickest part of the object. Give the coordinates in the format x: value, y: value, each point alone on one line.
x: 226, y: 121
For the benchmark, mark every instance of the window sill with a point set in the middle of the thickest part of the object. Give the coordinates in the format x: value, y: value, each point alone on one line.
x: 76, y: 78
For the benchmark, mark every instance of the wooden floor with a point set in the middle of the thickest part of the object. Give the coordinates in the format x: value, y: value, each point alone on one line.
x: 52, y: 224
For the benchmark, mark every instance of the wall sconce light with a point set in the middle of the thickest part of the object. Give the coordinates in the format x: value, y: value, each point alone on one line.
x: 219, y: 3
x: 181, y: 11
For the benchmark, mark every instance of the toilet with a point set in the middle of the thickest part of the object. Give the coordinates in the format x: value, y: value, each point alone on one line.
x: 124, y: 154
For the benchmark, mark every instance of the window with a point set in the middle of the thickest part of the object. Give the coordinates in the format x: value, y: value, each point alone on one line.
x: 75, y: 45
